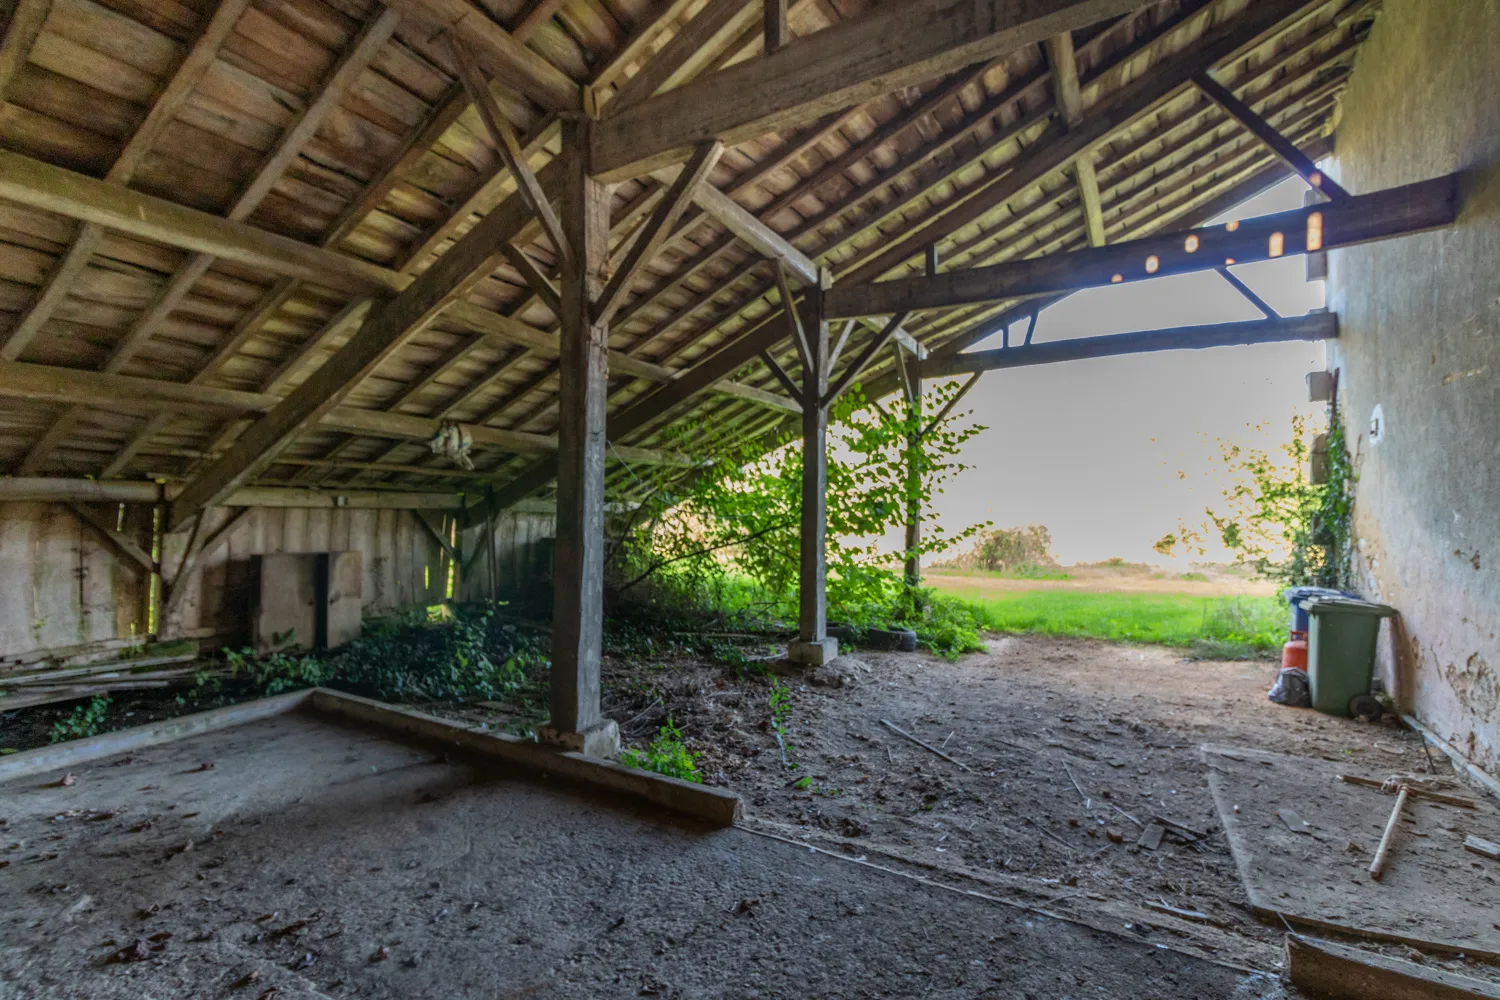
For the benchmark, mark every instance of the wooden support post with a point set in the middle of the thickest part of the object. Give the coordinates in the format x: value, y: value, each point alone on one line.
x: 778, y: 33
x: 578, y: 563
x: 914, y: 466
x: 813, y: 645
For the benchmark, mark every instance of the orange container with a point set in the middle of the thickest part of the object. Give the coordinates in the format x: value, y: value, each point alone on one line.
x: 1294, y: 653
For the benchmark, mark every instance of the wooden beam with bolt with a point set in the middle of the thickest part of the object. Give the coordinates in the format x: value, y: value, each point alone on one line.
x: 1396, y: 212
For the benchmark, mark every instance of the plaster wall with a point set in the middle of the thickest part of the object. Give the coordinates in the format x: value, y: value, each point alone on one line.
x: 1419, y: 360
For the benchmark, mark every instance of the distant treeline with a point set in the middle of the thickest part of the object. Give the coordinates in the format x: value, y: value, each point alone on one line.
x: 1008, y: 550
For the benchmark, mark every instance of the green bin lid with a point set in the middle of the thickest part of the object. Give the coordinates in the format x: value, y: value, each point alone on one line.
x: 1346, y: 605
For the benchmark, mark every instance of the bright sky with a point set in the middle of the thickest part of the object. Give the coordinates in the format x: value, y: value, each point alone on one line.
x: 1093, y: 449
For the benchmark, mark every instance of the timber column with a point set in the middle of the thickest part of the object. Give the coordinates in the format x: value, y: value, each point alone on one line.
x: 914, y: 459
x: 813, y: 645
x: 578, y: 560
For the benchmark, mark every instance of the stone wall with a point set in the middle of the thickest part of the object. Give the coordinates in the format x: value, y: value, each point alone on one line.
x: 1419, y: 354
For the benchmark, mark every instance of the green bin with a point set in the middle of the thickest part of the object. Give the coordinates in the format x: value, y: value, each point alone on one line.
x: 1341, y: 650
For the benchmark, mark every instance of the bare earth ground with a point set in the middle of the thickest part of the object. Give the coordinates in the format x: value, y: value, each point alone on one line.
x: 848, y: 860
x: 1097, y: 579
x: 1067, y: 744
x: 308, y: 861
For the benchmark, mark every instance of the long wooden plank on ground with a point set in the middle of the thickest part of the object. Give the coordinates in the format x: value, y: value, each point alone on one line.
x: 1339, y: 972
x: 896, y: 45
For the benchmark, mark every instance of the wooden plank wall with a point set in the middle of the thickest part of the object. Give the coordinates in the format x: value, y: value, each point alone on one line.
x: 63, y: 584
x: 522, y: 552
x: 403, y: 564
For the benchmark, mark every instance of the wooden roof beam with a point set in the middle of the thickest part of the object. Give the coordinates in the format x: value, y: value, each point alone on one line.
x: 899, y: 44
x: 1363, y: 219
x: 164, y: 107
x: 685, y: 54
x: 52, y: 384
x: 1274, y: 140
x: 46, y: 489
x: 1044, y: 157
x: 659, y: 227
x: 1314, y: 326
x: 39, y: 185
x: 498, y: 51
x: 176, y: 288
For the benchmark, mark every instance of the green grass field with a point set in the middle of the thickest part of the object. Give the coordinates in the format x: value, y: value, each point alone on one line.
x: 1213, y: 627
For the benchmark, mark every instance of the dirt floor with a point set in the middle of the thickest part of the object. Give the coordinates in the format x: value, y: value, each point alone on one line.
x: 1057, y: 752
x: 293, y: 858
x: 1131, y: 578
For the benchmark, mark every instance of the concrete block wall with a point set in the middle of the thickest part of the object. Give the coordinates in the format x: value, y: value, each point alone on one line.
x: 1419, y: 353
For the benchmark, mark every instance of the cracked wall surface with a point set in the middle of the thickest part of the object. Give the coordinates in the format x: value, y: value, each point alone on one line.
x: 1420, y: 341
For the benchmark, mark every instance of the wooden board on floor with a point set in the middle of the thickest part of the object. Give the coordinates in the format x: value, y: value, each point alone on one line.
x: 1434, y: 893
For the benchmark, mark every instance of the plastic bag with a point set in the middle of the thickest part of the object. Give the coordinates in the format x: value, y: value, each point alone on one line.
x: 1291, y: 688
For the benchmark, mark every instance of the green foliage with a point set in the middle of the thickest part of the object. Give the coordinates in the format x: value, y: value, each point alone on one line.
x: 737, y: 523
x: 83, y: 721
x: 1275, y: 520
x: 666, y: 755
x: 413, y: 657
x: 1016, y: 551
x: 781, y: 714
x: 948, y: 626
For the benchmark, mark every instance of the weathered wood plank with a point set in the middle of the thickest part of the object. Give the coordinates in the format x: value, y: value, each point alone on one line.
x: 896, y: 45
x: 1398, y: 211
x: 498, y: 51
x: 578, y: 561
x: 1315, y: 326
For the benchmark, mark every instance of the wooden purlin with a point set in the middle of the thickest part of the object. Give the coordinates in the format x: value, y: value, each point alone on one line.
x: 1037, y: 79
x: 1147, y: 97
x: 899, y: 44
x: 885, y: 387
x: 171, y: 294
x: 1254, y: 182
x: 533, y: 478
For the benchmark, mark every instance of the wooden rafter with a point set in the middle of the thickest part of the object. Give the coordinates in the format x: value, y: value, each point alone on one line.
x: 176, y: 288
x: 164, y: 108
x: 1274, y: 140
x: 53, y: 384
x: 682, y: 191
x: 503, y: 135
x: 896, y: 45
x: 498, y: 51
